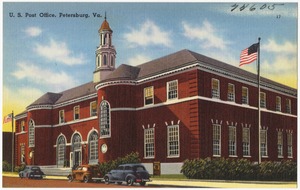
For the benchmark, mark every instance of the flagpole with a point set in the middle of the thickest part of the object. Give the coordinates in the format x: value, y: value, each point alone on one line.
x: 12, y: 142
x: 259, y: 113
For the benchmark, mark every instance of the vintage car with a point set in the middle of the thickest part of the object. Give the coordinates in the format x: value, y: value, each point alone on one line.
x: 129, y: 173
x: 32, y: 172
x: 85, y: 173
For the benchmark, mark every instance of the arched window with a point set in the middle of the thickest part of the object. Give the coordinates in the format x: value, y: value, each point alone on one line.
x: 104, y: 60
x: 61, y: 151
x: 31, y: 138
x: 76, y: 147
x: 112, y: 60
x: 104, y: 115
x: 93, y: 148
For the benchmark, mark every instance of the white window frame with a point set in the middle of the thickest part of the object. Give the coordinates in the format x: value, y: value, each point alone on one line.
x: 280, y: 144
x: 105, y: 126
x: 264, y: 145
x: 246, y: 145
x: 245, y: 99
x: 231, y: 96
x: 61, y: 120
x: 152, y: 97
x: 263, y: 100
x: 174, y: 92
x: 290, y: 144
x: 173, y: 136
x: 288, y: 105
x: 215, y: 93
x: 278, y: 104
x: 232, y: 143
x: 22, y: 126
x: 61, y: 151
x: 217, y: 134
x: 74, y: 112
x: 149, y: 143
x: 31, y: 133
x: 93, y: 148
x: 93, y: 113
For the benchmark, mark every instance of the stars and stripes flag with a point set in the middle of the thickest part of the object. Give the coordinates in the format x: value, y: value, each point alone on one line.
x: 249, y: 54
x: 7, y: 118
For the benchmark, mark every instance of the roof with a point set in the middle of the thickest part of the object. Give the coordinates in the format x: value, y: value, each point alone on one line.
x: 105, y: 26
x: 55, y: 98
x: 180, y: 59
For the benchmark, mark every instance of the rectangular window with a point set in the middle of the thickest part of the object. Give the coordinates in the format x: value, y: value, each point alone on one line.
x: 245, y: 95
x: 149, y: 143
x: 22, y: 148
x: 173, y: 141
x: 216, y: 140
x: 231, y: 93
x: 215, y: 88
x: 22, y: 126
x: 246, y: 141
x: 263, y: 100
x: 280, y: 144
x: 76, y: 112
x: 290, y: 144
x: 278, y: 103
x: 232, y: 141
x: 172, y: 87
x: 148, y: 95
x: 93, y: 108
x: 288, y: 106
x: 263, y: 143
x: 61, y: 116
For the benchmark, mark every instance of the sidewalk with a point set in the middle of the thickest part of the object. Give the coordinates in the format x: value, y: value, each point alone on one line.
x: 201, y: 183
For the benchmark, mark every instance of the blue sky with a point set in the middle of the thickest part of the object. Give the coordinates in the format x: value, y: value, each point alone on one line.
x: 42, y: 54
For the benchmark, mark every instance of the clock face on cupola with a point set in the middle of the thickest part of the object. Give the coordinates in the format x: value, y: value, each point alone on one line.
x: 105, y: 53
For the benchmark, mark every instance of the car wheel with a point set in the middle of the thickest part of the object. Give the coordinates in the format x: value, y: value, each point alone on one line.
x: 129, y: 181
x: 21, y: 176
x: 143, y: 183
x: 70, y: 177
x: 85, y: 179
x: 106, y: 179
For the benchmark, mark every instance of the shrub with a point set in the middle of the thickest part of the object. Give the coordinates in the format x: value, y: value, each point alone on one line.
x: 240, y: 169
x: 6, y: 167
x: 19, y: 168
x: 105, y: 167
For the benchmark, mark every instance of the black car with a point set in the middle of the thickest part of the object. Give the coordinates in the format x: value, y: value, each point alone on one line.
x: 129, y: 173
x: 32, y: 172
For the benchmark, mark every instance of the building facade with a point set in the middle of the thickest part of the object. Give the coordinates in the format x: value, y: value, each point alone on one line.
x: 177, y: 107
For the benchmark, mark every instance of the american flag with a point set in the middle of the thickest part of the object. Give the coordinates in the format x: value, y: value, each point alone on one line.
x: 7, y: 118
x: 249, y: 54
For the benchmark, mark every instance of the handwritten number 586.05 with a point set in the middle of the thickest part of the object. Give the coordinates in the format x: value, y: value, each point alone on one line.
x: 253, y: 7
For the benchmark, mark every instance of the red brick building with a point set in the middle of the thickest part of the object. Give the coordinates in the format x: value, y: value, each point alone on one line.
x: 181, y: 106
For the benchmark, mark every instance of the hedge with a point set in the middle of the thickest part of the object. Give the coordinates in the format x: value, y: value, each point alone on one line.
x: 105, y: 167
x: 239, y: 169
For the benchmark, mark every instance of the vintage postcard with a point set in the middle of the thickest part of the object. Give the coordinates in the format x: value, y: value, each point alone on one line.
x: 163, y: 94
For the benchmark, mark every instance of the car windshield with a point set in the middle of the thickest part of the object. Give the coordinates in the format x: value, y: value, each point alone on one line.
x: 35, y: 168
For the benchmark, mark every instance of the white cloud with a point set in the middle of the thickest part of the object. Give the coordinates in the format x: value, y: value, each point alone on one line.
x: 206, y: 34
x: 286, y: 48
x: 138, y: 59
x: 56, y: 81
x: 149, y: 34
x: 282, y: 70
x: 33, y: 31
x: 59, y: 51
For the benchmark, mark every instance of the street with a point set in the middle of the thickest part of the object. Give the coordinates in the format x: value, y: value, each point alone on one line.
x: 18, y: 182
